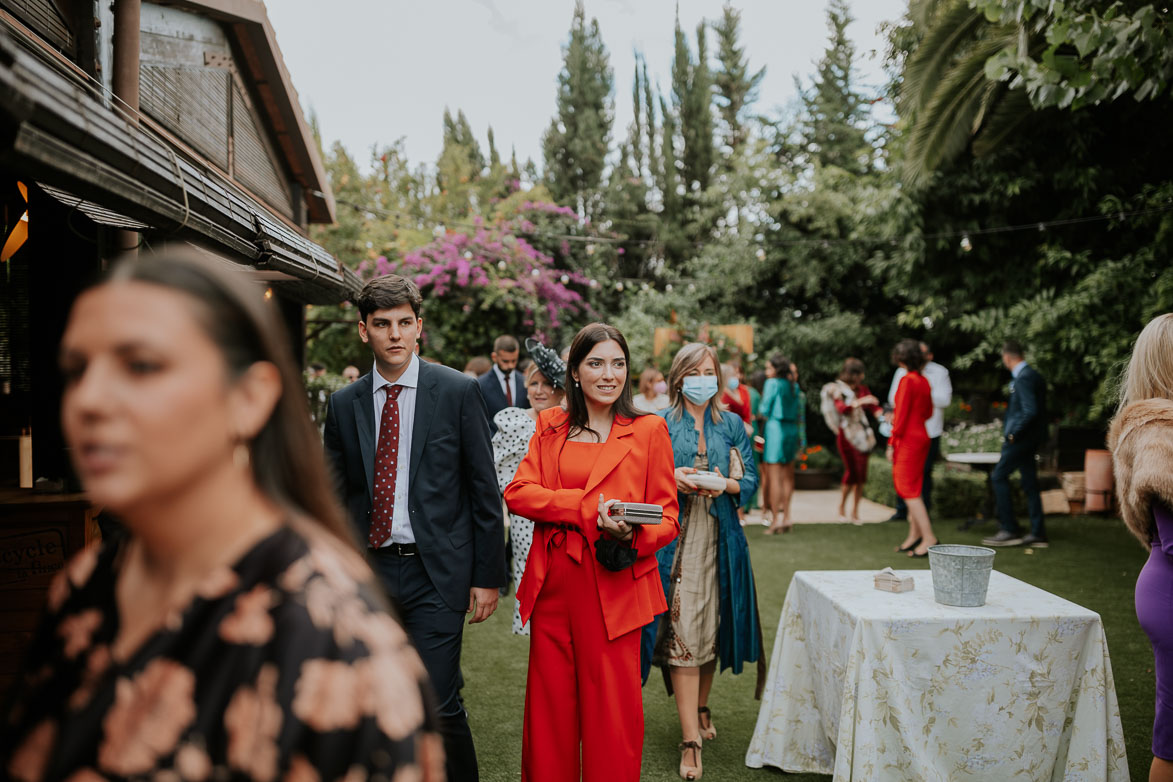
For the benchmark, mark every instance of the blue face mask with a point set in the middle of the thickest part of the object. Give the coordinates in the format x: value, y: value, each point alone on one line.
x: 699, y: 390
x: 732, y: 383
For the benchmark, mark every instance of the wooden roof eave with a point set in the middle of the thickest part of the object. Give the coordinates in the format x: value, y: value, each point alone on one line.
x: 63, y: 134
x: 247, y: 23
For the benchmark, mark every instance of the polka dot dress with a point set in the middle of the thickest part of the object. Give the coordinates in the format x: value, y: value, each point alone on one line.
x: 515, y: 427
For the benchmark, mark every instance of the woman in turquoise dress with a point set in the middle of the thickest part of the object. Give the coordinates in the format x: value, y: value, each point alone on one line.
x: 780, y: 407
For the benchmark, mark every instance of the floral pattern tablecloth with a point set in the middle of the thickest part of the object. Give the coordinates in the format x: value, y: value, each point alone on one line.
x: 872, y: 685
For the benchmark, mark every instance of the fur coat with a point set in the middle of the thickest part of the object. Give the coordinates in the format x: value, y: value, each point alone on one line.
x: 1141, y: 441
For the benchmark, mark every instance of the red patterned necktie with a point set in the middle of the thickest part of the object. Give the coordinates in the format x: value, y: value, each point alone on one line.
x: 386, y: 466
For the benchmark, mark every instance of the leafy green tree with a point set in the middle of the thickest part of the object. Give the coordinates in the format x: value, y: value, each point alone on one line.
x: 1091, y: 52
x: 576, y: 143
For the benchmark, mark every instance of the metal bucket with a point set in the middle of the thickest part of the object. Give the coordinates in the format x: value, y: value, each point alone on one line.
x: 961, y: 574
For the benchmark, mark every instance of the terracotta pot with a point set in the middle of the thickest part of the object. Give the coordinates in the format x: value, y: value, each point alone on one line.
x: 814, y: 480
x: 1097, y: 480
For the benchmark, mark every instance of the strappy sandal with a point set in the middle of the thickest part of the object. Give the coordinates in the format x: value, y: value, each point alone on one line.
x: 703, y: 715
x: 694, y: 770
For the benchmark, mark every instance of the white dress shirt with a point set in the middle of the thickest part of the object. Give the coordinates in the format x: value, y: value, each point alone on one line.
x: 401, y: 531
x: 506, y: 390
x: 941, y: 388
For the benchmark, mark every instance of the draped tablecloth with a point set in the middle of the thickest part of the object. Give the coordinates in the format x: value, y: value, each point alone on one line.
x: 872, y: 685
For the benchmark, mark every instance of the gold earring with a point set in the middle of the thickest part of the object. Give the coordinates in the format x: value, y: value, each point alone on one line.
x: 241, y: 456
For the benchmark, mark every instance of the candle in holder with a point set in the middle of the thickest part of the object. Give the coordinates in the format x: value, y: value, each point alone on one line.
x: 26, y: 458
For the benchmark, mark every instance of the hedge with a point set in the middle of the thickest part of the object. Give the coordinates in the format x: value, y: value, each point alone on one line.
x: 958, y: 493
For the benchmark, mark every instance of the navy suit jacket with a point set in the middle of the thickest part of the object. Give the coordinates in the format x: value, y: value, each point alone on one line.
x: 453, y: 498
x: 495, y: 399
x: 1026, y: 413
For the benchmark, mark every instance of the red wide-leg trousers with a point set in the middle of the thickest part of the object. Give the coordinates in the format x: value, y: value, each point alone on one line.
x: 583, y: 691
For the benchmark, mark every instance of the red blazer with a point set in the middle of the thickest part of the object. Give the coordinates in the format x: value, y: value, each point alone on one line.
x: 634, y: 465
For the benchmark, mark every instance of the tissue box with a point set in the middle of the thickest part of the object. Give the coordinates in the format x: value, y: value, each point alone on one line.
x: 887, y: 580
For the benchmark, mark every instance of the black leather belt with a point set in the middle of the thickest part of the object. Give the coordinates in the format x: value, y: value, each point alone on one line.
x: 397, y: 550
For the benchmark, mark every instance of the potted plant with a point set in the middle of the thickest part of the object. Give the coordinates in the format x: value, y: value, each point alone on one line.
x: 816, y: 468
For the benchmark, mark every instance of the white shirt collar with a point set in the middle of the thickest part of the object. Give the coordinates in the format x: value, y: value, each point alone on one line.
x: 500, y: 374
x: 410, y: 377
x: 1021, y: 365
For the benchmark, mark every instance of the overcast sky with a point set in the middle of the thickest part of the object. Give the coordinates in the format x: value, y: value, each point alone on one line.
x: 378, y: 70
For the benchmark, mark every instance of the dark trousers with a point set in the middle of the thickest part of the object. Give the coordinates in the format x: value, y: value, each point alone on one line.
x: 1018, y: 457
x: 436, y: 632
x: 926, y: 492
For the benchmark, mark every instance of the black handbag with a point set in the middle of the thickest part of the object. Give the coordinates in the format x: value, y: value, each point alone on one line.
x: 615, y: 555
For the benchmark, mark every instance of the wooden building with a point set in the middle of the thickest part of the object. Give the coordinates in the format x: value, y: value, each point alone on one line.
x: 131, y: 124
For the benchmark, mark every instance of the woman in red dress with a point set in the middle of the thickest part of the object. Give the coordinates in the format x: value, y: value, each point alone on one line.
x: 591, y: 582
x: 908, y: 446
x: 851, y: 395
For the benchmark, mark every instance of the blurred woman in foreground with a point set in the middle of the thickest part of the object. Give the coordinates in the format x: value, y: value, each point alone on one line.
x: 1141, y: 441
x: 236, y: 632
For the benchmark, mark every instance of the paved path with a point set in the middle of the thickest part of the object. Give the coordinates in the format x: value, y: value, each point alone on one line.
x: 822, y: 507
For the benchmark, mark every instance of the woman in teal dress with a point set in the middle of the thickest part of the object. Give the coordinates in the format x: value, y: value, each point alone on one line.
x: 757, y: 380
x: 780, y: 407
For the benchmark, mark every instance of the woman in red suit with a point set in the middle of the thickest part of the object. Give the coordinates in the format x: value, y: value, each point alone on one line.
x: 591, y: 582
x: 908, y: 446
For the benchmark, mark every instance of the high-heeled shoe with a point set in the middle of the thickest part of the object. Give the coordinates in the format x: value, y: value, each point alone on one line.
x: 691, y: 770
x: 909, y: 547
x: 912, y: 552
x: 709, y: 731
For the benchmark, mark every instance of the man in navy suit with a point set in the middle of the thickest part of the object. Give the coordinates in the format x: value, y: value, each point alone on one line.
x: 503, y: 386
x: 1024, y: 431
x: 409, y: 444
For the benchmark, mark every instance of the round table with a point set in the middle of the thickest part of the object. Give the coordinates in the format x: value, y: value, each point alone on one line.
x: 984, y: 461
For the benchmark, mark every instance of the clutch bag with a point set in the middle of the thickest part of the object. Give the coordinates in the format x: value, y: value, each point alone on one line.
x: 736, y: 465
x: 708, y: 480
x: 637, y: 512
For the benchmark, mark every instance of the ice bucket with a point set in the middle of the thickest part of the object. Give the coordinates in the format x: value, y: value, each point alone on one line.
x: 961, y: 574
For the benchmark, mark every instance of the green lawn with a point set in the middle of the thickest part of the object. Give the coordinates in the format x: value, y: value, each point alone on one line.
x: 1092, y: 561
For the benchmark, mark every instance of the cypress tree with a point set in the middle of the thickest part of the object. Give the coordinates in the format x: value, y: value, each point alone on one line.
x: 736, y: 86
x: 832, y: 130
x: 692, y: 102
x: 575, y: 144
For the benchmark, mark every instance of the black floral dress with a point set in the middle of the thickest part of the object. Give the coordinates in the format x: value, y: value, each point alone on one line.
x: 282, y: 666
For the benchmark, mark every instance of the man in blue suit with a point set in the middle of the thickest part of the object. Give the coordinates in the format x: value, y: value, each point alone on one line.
x: 503, y: 386
x: 1024, y: 431
x: 409, y: 444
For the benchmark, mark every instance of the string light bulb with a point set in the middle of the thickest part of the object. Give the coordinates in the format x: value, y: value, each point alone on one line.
x: 966, y: 244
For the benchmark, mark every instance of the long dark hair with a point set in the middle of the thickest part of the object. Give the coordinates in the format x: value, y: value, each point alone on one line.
x: 908, y: 352
x: 287, y: 461
x: 576, y: 407
x: 781, y: 366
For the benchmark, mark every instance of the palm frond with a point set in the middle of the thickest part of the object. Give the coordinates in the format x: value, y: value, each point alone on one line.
x: 951, y: 31
x: 945, y: 127
x: 1009, y: 108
